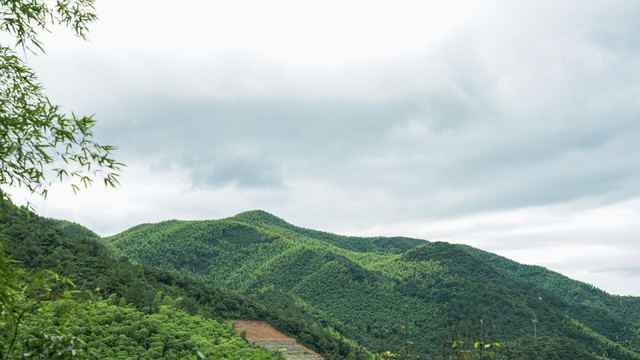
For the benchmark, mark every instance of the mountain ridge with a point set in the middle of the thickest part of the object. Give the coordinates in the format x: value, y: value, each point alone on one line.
x: 358, y: 281
x: 571, y: 290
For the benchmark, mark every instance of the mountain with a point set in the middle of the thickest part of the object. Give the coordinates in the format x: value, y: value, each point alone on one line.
x: 265, y: 220
x: 74, y: 229
x: 627, y: 307
x: 144, y: 311
x: 159, y: 286
x: 384, y: 293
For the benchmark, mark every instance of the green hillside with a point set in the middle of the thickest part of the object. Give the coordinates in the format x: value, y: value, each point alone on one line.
x: 573, y: 291
x: 137, y: 297
x: 123, y: 332
x: 381, y: 292
x: 381, y: 244
x: 75, y: 230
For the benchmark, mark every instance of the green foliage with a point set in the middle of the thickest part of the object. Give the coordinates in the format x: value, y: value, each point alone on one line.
x: 119, y: 331
x: 36, y: 308
x: 23, y: 20
x: 274, y: 224
x: 34, y: 134
x: 526, y: 348
x: 323, y: 294
x: 627, y: 307
x: 75, y: 230
x: 545, y: 348
x: 168, y: 333
x: 40, y: 243
x: 382, y: 299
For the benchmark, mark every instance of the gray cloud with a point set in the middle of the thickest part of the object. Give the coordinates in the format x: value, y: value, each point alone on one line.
x: 529, y: 104
x: 247, y: 171
x: 506, y: 139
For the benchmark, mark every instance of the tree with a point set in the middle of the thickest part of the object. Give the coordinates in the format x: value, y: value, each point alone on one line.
x: 37, y: 140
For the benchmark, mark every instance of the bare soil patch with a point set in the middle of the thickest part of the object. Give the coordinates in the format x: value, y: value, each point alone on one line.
x: 262, y: 334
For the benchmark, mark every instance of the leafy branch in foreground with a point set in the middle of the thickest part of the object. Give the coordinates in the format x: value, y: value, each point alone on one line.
x: 35, y: 136
x: 23, y: 20
x: 35, y: 139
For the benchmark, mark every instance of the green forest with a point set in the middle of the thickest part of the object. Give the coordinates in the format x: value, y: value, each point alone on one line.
x: 116, y: 309
x: 164, y: 290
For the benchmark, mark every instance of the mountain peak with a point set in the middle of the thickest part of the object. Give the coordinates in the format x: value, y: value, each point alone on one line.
x: 258, y: 217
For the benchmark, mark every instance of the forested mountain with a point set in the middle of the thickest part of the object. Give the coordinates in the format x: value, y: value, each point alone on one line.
x: 567, y: 289
x: 145, y: 312
x: 383, y: 293
x: 268, y: 221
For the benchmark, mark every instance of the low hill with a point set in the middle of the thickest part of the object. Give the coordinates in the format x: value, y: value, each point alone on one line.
x: 381, y: 292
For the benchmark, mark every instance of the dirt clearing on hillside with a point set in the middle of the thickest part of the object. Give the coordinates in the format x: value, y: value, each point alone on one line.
x: 262, y: 334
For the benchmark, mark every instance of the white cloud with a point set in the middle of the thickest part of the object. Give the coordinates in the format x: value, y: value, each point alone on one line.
x: 297, y: 33
x: 509, y: 125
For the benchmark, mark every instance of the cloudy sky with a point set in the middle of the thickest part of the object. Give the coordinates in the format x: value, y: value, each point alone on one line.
x: 512, y: 126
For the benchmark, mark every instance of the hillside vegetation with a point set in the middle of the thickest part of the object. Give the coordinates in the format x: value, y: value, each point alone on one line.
x: 576, y: 292
x: 163, y: 290
x: 143, y: 311
x: 383, y: 293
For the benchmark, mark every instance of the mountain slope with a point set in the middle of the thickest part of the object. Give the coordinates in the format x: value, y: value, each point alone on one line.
x: 380, y: 292
x: 43, y: 244
x: 627, y: 307
x: 264, y: 220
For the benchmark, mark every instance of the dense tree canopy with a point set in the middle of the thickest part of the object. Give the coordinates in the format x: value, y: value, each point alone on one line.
x: 381, y: 294
x: 66, y: 249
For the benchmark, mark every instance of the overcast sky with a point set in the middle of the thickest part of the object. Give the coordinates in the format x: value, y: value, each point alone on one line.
x: 512, y: 126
